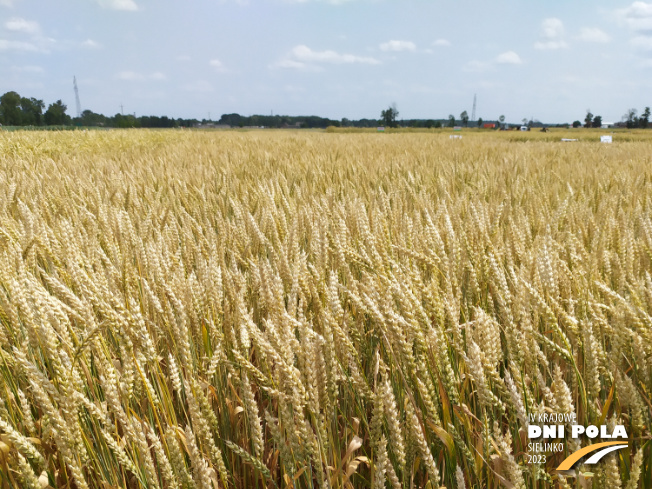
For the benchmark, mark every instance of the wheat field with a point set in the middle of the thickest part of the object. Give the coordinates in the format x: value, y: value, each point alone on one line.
x: 300, y: 309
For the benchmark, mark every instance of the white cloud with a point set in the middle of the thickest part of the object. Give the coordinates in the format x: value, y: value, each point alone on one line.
x: 89, y: 43
x: 303, y: 58
x: 638, y: 19
x: 552, y: 35
x: 139, y: 77
x: 550, y: 45
x: 118, y: 4
x: 217, y: 65
x: 16, y: 46
x: 396, y: 46
x: 441, y: 43
x: 643, y: 43
x: 6, y: 3
x: 552, y: 28
x: 296, y: 65
x: 638, y: 16
x: 593, y: 34
x: 304, y: 53
x: 509, y: 57
x: 18, y: 24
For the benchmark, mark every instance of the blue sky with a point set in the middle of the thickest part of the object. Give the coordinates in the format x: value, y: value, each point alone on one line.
x: 335, y: 58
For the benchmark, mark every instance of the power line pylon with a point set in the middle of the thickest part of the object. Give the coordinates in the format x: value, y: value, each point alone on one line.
x: 74, y: 84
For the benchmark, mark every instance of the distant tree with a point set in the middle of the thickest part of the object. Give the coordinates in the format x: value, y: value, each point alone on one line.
x: 588, y: 119
x: 501, y: 119
x: 345, y: 122
x: 451, y: 120
x: 10, y: 113
x: 32, y: 111
x: 644, y: 120
x: 125, y: 121
x: 480, y: 121
x: 630, y: 118
x: 56, y: 114
x: 577, y: 124
x: 464, y: 117
x: 437, y: 124
x: 429, y: 123
x: 597, y: 121
x: 90, y: 118
x: 524, y: 121
x: 389, y: 116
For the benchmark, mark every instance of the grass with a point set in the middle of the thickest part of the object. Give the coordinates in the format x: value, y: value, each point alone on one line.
x: 301, y: 309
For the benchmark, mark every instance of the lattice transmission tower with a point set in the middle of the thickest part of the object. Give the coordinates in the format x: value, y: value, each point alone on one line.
x: 74, y: 84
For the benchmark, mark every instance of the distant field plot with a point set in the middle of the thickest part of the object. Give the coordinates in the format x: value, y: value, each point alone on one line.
x: 321, y: 309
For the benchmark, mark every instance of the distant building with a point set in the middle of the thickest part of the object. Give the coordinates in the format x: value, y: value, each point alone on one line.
x: 211, y: 125
x: 525, y: 128
x: 608, y: 125
x: 489, y: 125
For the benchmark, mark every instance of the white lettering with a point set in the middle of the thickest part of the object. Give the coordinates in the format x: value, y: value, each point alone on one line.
x: 533, y: 431
x: 550, y: 431
x: 603, y: 432
x: 577, y: 430
x: 592, y: 431
x: 619, y: 432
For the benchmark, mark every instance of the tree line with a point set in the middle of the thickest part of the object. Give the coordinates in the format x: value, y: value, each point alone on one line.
x: 16, y: 110
x: 630, y: 119
x: 22, y: 111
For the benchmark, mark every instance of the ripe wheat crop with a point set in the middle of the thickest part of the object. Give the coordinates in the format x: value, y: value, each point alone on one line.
x: 285, y: 309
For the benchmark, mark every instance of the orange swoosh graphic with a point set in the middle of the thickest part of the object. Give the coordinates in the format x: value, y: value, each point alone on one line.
x: 574, y: 457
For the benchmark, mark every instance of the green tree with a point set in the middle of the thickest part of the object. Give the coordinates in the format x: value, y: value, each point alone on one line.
x: 577, y: 124
x: 588, y: 119
x: 630, y: 118
x: 125, y: 121
x: 451, y: 120
x: 465, y: 118
x: 480, y: 121
x: 597, y: 121
x: 32, y: 111
x: 90, y: 118
x: 389, y: 116
x: 10, y: 113
x: 56, y: 114
x: 644, y: 120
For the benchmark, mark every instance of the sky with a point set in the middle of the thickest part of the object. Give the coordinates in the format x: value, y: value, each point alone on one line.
x: 551, y: 61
